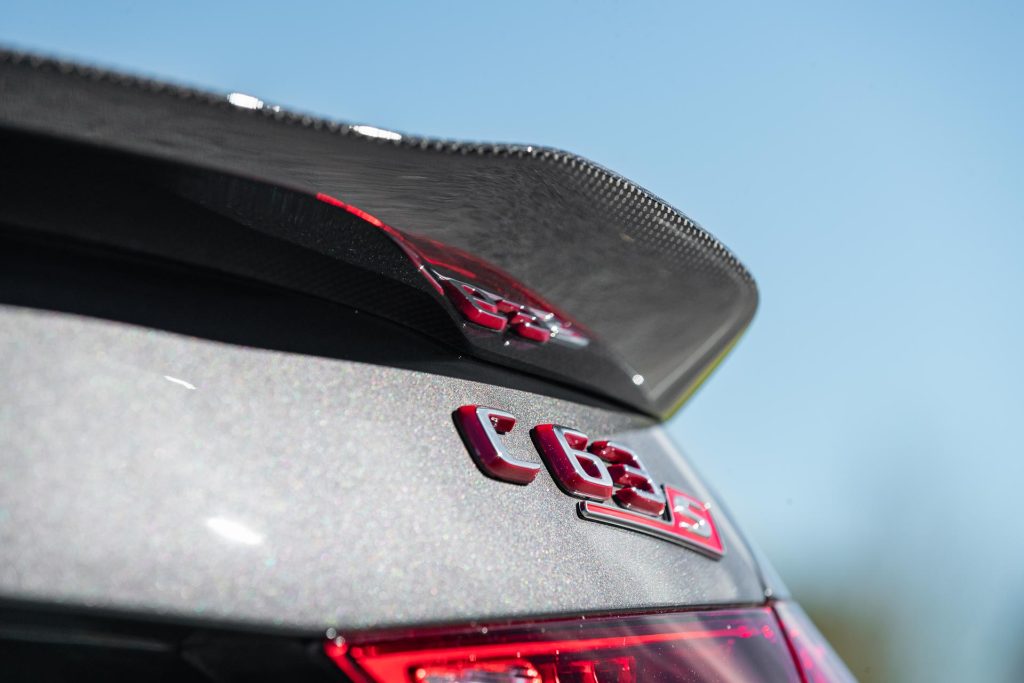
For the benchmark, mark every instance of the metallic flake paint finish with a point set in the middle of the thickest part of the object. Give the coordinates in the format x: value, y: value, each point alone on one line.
x: 167, y: 475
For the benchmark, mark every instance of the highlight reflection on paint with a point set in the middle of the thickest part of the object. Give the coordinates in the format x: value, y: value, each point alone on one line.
x: 233, y: 531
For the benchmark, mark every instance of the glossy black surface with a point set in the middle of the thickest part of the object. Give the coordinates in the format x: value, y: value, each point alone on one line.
x: 58, y: 644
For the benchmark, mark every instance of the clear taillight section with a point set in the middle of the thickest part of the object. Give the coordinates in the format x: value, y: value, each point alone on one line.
x: 730, y: 646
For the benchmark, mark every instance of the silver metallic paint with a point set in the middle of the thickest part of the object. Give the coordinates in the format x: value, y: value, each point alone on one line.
x: 146, y: 471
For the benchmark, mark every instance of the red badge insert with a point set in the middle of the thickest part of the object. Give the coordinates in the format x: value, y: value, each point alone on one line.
x: 689, y: 522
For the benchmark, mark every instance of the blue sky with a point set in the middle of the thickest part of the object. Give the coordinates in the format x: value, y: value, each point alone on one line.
x: 864, y: 161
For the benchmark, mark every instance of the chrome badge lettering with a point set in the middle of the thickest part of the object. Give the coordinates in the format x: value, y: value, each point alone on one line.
x: 612, y: 481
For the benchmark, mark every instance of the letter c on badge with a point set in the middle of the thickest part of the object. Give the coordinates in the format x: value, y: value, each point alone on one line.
x: 481, y: 428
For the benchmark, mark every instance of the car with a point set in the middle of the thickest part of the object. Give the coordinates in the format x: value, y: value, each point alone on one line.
x: 293, y: 399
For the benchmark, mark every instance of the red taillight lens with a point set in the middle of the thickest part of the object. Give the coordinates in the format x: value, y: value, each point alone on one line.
x: 816, y: 659
x: 731, y: 646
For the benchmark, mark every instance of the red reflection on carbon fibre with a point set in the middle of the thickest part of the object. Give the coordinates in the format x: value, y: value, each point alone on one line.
x: 473, y: 306
x: 529, y: 318
x: 484, y: 274
x: 395, y: 235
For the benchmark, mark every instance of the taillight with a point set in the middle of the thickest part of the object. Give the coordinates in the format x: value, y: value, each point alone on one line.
x: 816, y: 659
x: 733, y: 646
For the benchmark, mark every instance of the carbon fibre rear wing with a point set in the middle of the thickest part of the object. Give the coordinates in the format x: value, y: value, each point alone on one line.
x: 528, y: 257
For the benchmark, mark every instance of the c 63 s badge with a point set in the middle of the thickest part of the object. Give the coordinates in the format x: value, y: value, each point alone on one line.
x: 612, y: 482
